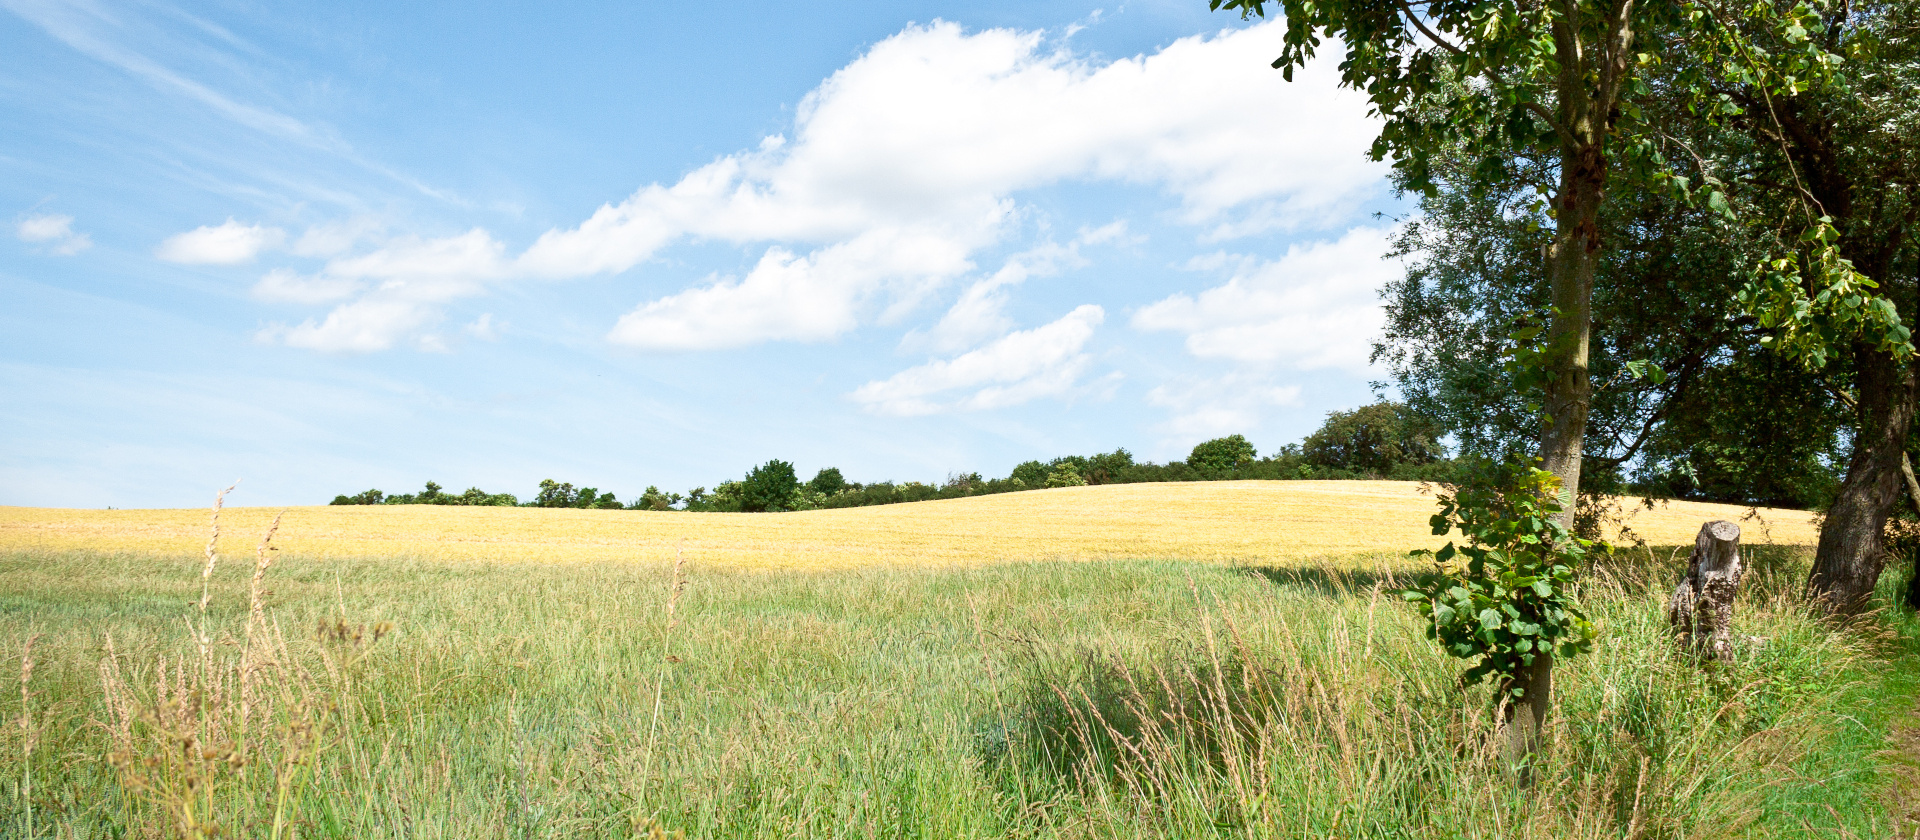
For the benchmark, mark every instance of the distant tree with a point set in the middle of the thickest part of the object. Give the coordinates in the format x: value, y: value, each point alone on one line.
x: 1222, y: 453
x: 828, y: 482
x: 553, y: 494
x: 1065, y: 475
x: 653, y: 499
x: 1108, y: 467
x: 1031, y: 474
x: 770, y: 487
x: 1374, y: 438
x: 371, y: 497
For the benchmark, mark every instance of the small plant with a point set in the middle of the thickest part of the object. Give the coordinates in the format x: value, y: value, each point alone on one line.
x: 1505, y: 599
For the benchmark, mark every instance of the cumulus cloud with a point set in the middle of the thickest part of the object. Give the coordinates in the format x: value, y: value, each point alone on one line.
x: 1207, y: 408
x: 1016, y: 368
x: 55, y: 232
x: 1316, y: 307
x: 230, y: 243
x: 792, y: 297
x: 927, y: 138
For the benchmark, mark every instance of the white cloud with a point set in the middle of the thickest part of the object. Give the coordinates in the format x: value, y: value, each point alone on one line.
x: 230, y: 243
x: 56, y: 232
x: 1208, y: 408
x: 363, y: 326
x: 981, y: 310
x: 927, y: 138
x: 483, y: 328
x: 286, y: 286
x: 789, y: 297
x: 1316, y: 307
x: 1016, y: 368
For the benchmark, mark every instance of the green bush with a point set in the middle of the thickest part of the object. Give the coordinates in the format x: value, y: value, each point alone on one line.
x: 769, y: 488
x: 1222, y: 453
x: 1375, y: 438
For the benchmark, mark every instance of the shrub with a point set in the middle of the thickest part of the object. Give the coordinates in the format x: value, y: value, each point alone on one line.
x: 1065, y: 476
x: 1222, y: 453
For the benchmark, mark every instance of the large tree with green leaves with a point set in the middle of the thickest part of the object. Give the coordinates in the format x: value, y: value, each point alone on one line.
x: 1842, y: 160
x: 1550, y: 80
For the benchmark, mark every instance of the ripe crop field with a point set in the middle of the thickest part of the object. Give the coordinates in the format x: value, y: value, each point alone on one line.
x: 1233, y: 522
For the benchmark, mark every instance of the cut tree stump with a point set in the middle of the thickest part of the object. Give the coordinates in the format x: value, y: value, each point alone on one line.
x: 1702, y: 607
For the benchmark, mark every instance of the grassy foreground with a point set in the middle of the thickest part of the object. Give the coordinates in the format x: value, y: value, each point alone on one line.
x: 1038, y: 699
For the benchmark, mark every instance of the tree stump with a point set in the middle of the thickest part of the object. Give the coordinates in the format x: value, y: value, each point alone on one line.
x: 1702, y: 607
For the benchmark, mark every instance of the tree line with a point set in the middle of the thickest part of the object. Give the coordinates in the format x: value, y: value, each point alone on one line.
x: 1382, y: 440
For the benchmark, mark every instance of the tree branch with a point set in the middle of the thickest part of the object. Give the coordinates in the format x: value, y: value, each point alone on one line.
x: 1415, y: 20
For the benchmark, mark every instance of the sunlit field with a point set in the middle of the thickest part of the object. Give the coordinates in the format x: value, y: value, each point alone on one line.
x: 1227, y: 522
x: 1242, y: 672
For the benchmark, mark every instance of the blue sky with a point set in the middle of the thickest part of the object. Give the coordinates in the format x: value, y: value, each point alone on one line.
x: 326, y: 247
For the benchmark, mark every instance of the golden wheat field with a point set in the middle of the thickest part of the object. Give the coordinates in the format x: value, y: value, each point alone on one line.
x: 1227, y: 521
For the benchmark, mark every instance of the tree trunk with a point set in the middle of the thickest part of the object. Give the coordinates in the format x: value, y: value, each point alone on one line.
x: 1853, y: 551
x: 1527, y: 716
x: 1701, y: 610
x: 1913, y: 497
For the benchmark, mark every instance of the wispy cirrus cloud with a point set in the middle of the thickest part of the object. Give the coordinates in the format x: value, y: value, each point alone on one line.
x: 54, y: 232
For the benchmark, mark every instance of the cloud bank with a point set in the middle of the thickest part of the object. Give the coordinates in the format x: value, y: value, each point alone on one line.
x: 902, y: 168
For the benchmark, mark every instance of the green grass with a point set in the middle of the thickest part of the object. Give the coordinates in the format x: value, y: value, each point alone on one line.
x: 518, y: 701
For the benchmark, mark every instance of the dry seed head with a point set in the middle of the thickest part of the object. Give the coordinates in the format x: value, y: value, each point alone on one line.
x: 213, y: 545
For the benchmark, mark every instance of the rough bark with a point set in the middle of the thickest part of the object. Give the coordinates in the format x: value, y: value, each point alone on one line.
x: 1591, y: 79
x: 1701, y: 610
x: 1853, y: 551
x: 1913, y: 498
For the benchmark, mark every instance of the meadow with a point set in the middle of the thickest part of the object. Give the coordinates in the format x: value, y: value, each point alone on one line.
x: 557, y: 676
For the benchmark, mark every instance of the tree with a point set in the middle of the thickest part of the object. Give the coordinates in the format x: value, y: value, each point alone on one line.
x: 1032, y: 474
x: 1843, y: 299
x: 828, y: 481
x: 770, y: 487
x: 1724, y: 420
x: 1065, y: 475
x: 1222, y: 453
x: 1374, y: 438
x: 1507, y: 80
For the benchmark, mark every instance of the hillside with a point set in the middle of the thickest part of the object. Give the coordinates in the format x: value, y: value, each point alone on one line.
x: 1239, y: 521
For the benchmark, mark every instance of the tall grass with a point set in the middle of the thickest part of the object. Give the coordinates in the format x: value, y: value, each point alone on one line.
x: 1127, y: 699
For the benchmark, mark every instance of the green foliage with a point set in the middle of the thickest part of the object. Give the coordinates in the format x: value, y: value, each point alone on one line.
x: 653, y: 499
x: 1031, y: 474
x: 553, y: 494
x: 1818, y: 304
x: 1225, y: 453
x: 1506, y: 596
x: 370, y: 497
x: 828, y: 481
x: 1065, y: 475
x: 431, y: 495
x: 1374, y: 438
x: 770, y: 487
x: 1108, y: 467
